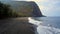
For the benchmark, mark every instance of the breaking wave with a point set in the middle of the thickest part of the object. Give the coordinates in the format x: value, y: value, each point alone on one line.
x: 41, y: 29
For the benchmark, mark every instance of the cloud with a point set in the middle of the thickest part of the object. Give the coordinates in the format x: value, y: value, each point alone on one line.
x: 50, y: 7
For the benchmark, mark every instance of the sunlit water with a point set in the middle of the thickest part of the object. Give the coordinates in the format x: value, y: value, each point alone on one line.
x: 46, y: 25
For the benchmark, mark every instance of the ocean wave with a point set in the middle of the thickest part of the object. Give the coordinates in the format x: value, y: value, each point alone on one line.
x: 47, y: 30
x: 41, y: 29
x: 33, y: 21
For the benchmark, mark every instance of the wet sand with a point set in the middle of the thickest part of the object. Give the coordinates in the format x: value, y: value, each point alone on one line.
x: 16, y: 26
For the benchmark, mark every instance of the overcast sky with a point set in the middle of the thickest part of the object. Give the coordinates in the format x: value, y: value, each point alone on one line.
x: 47, y: 7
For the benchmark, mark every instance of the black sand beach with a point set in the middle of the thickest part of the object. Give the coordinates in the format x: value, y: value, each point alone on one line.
x: 16, y: 26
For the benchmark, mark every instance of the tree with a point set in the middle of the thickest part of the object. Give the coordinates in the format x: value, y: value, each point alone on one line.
x: 4, y: 10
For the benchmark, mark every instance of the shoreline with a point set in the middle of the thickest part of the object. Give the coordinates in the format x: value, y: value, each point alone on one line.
x: 14, y: 25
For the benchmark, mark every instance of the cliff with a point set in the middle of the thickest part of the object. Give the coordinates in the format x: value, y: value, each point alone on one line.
x: 25, y: 9
x: 36, y: 11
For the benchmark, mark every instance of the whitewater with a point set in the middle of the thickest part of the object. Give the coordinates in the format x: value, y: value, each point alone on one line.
x: 41, y: 29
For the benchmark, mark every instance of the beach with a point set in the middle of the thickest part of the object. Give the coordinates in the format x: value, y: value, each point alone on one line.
x: 18, y: 25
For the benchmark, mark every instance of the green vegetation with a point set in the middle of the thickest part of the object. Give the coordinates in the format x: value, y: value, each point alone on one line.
x: 6, y: 11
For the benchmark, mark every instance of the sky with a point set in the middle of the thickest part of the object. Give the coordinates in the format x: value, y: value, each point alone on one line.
x: 47, y: 7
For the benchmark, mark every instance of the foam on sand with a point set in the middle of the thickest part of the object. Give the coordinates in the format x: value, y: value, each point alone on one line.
x: 41, y: 29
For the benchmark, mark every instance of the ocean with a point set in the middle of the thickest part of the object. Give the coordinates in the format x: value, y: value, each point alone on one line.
x: 46, y: 25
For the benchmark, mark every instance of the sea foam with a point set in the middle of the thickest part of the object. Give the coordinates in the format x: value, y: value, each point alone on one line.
x: 41, y: 29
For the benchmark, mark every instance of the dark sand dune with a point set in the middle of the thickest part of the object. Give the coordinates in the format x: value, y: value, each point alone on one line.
x: 16, y: 26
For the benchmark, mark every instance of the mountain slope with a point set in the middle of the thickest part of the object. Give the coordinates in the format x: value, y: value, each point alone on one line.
x: 29, y: 9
